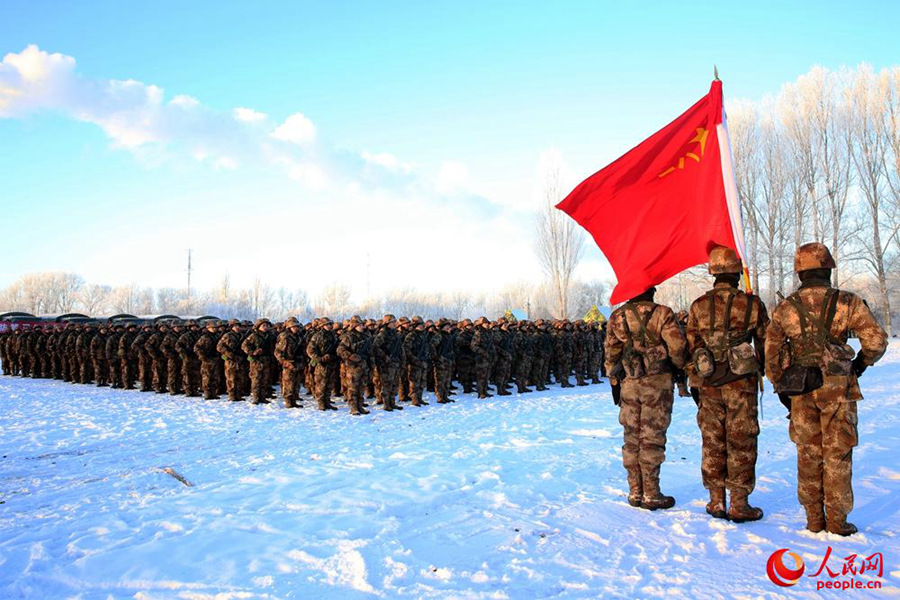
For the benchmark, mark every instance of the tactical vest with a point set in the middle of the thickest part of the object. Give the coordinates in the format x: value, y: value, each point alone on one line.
x: 816, y: 347
x: 728, y: 354
x: 644, y: 355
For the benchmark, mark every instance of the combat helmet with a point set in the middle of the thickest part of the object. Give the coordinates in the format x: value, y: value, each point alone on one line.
x: 724, y: 260
x: 813, y: 256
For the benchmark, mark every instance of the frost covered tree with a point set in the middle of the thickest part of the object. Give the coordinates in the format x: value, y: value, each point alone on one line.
x: 559, y: 240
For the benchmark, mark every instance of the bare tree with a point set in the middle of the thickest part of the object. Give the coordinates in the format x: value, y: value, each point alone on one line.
x: 560, y: 241
x: 333, y: 301
x: 870, y: 148
x: 743, y: 127
x: 94, y: 299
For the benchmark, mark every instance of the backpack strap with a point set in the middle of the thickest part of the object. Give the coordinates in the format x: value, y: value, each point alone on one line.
x: 831, y: 302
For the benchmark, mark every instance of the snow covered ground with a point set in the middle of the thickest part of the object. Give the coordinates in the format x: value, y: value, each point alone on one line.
x: 519, y: 497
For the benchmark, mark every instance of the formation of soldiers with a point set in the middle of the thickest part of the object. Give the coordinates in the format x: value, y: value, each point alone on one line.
x: 717, y: 353
x: 357, y: 359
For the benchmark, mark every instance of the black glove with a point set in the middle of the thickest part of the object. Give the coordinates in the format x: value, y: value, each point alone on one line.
x: 616, y: 394
x: 695, y: 394
x: 786, y: 400
x: 859, y: 365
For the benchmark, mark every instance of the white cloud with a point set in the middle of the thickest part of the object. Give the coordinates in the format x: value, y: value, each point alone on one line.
x: 296, y: 129
x: 184, y: 101
x: 388, y: 161
x: 248, y: 115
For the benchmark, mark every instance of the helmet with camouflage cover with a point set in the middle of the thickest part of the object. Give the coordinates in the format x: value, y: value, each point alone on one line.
x: 813, y: 256
x: 291, y: 322
x: 724, y: 260
x: 260, y: 322
x: 234, y: 323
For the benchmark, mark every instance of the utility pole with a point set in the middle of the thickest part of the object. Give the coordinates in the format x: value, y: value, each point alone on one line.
x: 189, y: 274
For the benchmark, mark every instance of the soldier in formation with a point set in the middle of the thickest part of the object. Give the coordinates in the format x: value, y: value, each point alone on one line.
x: 396, y: 357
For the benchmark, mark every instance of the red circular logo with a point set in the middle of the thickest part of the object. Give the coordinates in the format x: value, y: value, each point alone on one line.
x: 782, y: 575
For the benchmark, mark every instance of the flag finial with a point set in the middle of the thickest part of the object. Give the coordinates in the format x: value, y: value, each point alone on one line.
x: 716, y: 73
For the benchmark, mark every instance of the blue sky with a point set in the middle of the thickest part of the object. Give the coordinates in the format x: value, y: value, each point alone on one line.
x: 422, y: 128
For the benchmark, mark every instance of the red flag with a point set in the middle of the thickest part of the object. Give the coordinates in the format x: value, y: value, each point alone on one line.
x: 661, y: 208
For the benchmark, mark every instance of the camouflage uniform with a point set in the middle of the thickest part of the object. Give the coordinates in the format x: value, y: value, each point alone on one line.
x: 718, y: 321
x: 174, y: 367
x: 258, y: 348
x: 415, y: 347
x: 205, y: 349
x: 289, y: 352
x: 144, y: 359
x: 111, y: 350
x: 98, y: 357
x: 482, y: 346
x: 128, y: 356
x: 563, y: 346
x: 465, y: 358
x: 229, y: 347
x: 442, y: 359
x: 322, y: 352
x: 523, y: 343
x: 387, y: 349
x: 645, y: 333
x: 505, y: 351
x: 190, y: 362
x: 355, y: 350
x: 824, y: 419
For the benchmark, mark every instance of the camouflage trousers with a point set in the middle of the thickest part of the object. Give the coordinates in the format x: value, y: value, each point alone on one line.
x: 160, y: 374
x: 190, y: 375
x: 466, y: 373
x: 562, y: 369
x: 355, y: 382
x: 259, y: 380
x: 594, y: 360
x: 386, y: 383
x: 823, y: 426
x: 323, y: 380
x: 443, y: 374
x: 145, y: 373
x: 502, y: 372
x: 174, y: 377
x: 129, y: 372
x: 415, y: 381
x: 209, y: 378
x: 645, y: 413
x: 115, y: 373
x: 729, y: 427
x: 290, y: 384
x: 101, y: 370
x: 234, y: 379
x: 482, y: 371
x: 538, y: 370
x: 522, y: 371
x: 579, y: 363
x: 86, y: 370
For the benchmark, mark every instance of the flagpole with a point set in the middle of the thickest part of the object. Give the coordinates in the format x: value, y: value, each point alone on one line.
x: 732, y: 199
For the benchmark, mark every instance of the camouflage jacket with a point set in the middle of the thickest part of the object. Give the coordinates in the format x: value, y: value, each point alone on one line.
x: 322, y: 347
x: 98, y: 346
x: 355, y: 349
x: 783, y: 337
x: 661, y: 327
x: 230, y: 346
x: 205, y: 347
x: 706, y: 325
x: 482, y: 344
x: 258, y: 346
x: 415, y: 345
